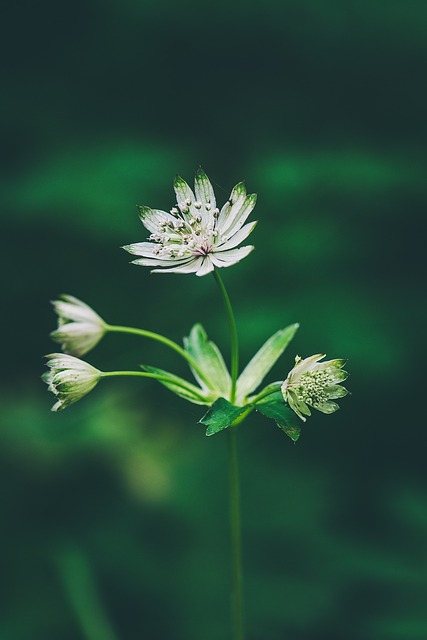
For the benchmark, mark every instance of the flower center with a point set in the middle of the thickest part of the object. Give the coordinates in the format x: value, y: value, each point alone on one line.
x: 311, y: 387
x: 190, y: 233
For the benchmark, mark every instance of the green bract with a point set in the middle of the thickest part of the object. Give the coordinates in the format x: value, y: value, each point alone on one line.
x: 314, y: 384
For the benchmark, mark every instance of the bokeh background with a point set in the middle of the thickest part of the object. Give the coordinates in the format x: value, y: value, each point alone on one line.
x: 114, y: 512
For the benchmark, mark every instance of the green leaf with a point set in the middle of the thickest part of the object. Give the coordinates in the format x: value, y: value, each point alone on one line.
x: 284, y: 417
x: 209, y: 358
x: 220, y: 416
x: 254, y: 373
x: 181, y: 387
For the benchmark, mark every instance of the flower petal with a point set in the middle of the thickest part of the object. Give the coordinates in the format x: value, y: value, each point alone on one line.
x: 335, y: 391
x: 182, y: 190
x: 204, y: 190
x: 207, y: 267
x: 237, y: 238
x: 160, y: 262
x: 231, y: 256
x: 153, y: 218
x: 236, y: 221
x: 190, y: 267
x: 233, y: 205
x: 327, y: 407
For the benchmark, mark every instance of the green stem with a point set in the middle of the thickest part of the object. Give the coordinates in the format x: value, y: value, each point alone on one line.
x: 235, y: 520
x: 235, y: 531
x: 163, y: 340
x: 272, y: 388
x: 155, y: 376
x: 233, y: 336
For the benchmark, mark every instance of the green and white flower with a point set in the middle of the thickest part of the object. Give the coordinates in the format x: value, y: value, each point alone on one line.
x: 69, y: 379
x: 80, y: 328
x: 314, y: 384
x: 196, y: 236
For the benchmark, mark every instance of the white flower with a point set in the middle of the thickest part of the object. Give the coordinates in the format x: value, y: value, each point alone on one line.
x: 69, y: 379
x: 315, y: 384
x: 196, y: 236
x: 79, y: 327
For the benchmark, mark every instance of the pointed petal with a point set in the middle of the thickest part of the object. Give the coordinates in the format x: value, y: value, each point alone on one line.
x: 233, y: 204
x: 237, y: 238
x: 145, y: 249
x: 182, y: 190
x: 190, y: 267
x: 327, y: 407
x: 336, y: 391
x: 204, y: 190
x: 305, y: 365
x: 153, y: 218
x: 154, y: 262
x: 207, y: 267
x: 237, y: 220
x: 230, y: 257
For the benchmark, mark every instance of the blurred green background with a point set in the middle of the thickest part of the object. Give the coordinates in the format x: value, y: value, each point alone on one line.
x: 114, y: 512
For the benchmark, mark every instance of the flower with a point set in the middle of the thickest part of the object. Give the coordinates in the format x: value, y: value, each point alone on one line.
x: 69, y: 379
x: 196, y: 236
x: 315, y: 384
x: 79, y: 327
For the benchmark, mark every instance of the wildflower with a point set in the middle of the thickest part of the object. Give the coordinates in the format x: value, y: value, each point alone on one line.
x: 79, y: 327
x: 315, y: 384
x: 196, y: 236
x: 69, y: 379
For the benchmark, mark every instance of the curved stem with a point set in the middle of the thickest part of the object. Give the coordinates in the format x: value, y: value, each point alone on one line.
x: 274, y: 387
x: 155, y: 376
x: 233, y: 335
x: 163, y: 340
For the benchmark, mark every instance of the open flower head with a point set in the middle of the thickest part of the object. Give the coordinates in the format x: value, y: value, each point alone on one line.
x: 69, y: 378
x: 80, y: 328
x: 196, y: 236
x: 314, y: 384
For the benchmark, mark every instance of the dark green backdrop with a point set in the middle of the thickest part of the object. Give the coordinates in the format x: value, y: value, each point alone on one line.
x: 114, y: 512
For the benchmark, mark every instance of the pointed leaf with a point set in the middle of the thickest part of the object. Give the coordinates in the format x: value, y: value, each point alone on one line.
x: 264, y: 360
x: 283, y: 416
x: 220, y: 416
x: 181, y: 387
x: 209, y: 359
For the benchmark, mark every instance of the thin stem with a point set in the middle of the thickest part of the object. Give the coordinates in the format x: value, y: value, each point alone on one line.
x: 155, y: 376
x: 235, y: 520
x: 233, y: 335
x: 235, y: 531
x: 162, y: 339
x: 274, y: 387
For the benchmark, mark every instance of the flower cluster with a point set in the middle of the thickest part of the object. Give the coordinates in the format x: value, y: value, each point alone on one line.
x: 80, y: 328
x: 196, y: 236
x: 314, y: 384
x: 69, y: 378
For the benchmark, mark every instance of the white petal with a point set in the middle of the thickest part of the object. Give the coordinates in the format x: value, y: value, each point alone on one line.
x: 182, y: 190
x: 233, y: 205
x: 145, y: 249
x: 206, y: 196
x: 230, y: 257
x: 207, y: 267
x: 234, y: 223
x: 191, y: 267
x: 160, y: 262
x: 153, y: 218
x: 237, y: 238
x: 306, y: 365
